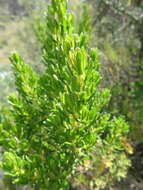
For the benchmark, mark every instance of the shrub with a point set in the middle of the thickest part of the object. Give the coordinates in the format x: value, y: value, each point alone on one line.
x: 57, y: 118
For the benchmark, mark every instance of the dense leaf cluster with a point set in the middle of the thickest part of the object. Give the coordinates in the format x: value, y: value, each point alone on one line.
x: 57, y: 118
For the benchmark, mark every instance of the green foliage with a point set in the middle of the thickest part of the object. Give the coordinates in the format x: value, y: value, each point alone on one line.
x: 118, y: 28
x: 103, y: 169
x: 57, y: 118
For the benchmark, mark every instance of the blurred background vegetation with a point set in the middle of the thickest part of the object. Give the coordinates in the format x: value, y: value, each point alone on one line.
x: 117, y: 27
